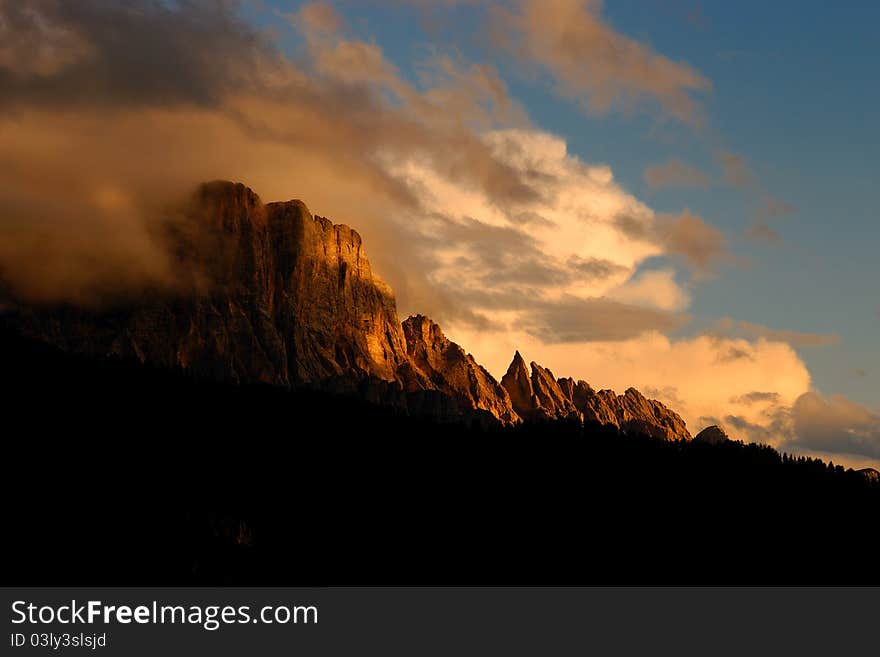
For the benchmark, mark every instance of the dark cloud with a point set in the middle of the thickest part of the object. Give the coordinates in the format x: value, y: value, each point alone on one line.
x: 700, y: 245
x: 584, y: 320
x: 835, y: 424
x: 635, y: 228
x: 731, y: 328
x: 755, y: 397
x: 497, y: 256
x: 130, y: 53
x: 731, y: 353
x: 708, y: 421
x: 773, y: 427
x: 594, y: 269
x: 669, y: 395
x: 740, y: 428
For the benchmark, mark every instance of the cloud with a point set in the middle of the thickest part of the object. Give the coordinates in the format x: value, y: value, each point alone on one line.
x: 587, y: 320
x: 99, y: 54
x: 735, y: 169
x: 462, y: 201
x: 835, y: 424
x: 675, y: 173
x: 761, y: 231
x: 592, y: 268
x: 96, y: 146
x: 729, y: 327
x: 754, y: 397
x: 471, y: 213
x: 770, y: 209
x: 316, y: 19
x: 700, y: 245
x: 692, y: 375
x: 653, y: 289
x: 31, y: 46
x: 565, y: 265
x: 591, y: 62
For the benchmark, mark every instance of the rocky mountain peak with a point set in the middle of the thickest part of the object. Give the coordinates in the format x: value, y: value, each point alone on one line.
x: 714, y: 435
x: 518, y: 384
x: 435, y: 362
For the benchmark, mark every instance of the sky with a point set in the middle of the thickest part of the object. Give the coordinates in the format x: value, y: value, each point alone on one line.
x: 671, y: 194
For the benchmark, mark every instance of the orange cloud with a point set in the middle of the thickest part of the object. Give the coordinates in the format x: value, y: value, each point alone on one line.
x: 593, y: 63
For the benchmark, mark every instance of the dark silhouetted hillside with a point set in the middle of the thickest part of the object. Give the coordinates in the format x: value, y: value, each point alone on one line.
x: 117, y: 473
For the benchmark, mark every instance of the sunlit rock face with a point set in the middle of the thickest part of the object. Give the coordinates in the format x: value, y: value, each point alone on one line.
x: 338, y: 317
x: 437, y: 363
x: 539, y: 396
x: 518, y: 385
x: 536, y: 396
x: 266, y: 293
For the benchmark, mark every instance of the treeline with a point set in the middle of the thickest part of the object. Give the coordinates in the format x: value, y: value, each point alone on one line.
x: 125, y: 474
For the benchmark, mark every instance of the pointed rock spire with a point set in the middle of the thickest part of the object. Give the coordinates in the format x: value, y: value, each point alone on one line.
x: 518, y: 385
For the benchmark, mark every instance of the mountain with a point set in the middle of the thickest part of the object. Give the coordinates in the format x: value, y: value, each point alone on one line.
x: 269, y: 293
x: 540, y: 396
x: 714, y: 435
x: 437, y: 362
x: 870, y: 474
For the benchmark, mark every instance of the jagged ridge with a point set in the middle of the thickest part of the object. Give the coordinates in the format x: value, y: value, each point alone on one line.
x: 540, y: 396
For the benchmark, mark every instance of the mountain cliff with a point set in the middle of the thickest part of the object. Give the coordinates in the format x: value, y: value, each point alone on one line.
x: 437, y: 362
x: 269, y: 293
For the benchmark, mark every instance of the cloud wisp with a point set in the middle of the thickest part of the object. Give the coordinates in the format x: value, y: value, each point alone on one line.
x: 675, y: 173
x: 592, y: 63
x: 729, y: 327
